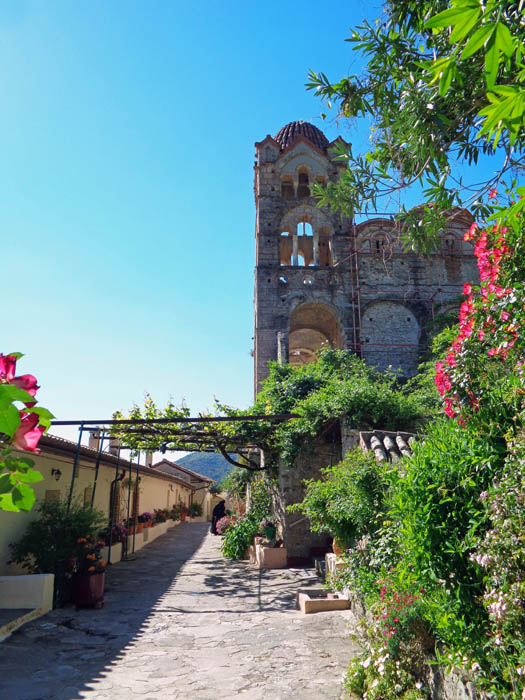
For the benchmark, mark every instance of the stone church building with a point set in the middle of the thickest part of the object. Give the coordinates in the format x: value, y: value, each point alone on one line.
x: 321, y: 279
x: 325, y: 280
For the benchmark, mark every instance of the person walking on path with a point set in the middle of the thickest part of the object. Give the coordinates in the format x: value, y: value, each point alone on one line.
x: 218, y: 512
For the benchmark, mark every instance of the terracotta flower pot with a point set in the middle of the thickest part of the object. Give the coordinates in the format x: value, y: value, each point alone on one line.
x: 139, y: 527
x: 88, y: 590
x: 337, y: 548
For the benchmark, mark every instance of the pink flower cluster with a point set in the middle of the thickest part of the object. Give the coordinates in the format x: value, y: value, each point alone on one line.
x: 395, y: 607
x: 29, y: 432
x: 480, y: 317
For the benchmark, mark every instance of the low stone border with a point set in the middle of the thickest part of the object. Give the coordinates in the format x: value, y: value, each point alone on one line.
x: 23, y: 598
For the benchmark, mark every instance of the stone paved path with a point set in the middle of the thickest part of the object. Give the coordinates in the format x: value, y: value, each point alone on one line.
x: 181, y: 622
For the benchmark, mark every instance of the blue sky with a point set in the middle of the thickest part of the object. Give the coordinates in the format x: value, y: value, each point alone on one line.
x: 126, y: 187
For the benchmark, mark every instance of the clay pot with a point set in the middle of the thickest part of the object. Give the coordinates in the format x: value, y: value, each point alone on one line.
x: 88, y: 590
x: 337, y: 548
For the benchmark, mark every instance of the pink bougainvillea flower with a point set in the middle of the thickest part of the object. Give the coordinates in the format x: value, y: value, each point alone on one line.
x: 28, y: 433
x: 7, y: 367
x: 467, y: 289
x: 26, y: 382
x: 493, y: 193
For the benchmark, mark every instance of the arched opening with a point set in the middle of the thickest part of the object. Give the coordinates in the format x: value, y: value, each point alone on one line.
x: 325, y: 248
x: 378, y: 244
x: 305, y: 244
x: 449, y: 245
x: 287, y: 190
x: 390, y: 336
x: 312, y: 327
x: 286, y: 248
x: 303, y: 188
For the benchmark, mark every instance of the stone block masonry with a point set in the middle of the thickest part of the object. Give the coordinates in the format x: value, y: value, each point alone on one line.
x: 323, y: 280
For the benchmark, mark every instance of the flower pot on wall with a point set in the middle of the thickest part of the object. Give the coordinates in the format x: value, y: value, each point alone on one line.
x: 89, y: 590
x: 337, y: 547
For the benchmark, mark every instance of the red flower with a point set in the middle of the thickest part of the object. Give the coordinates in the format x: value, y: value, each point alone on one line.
x: 7, y: 367
x: 28, y: 433
x: 26, y: 382
x: 493, y: 193
x: 467, y: 289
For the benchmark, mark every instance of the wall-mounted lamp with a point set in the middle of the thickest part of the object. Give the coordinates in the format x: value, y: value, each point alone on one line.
x: 56, y: 473
x: 171, y: 487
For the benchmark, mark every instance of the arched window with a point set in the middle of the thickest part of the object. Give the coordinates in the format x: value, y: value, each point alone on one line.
x: 303, y: 188
x: 325, y: 248
x: 286, y: 248
x: 287, y: 190
x: 377, y: 245
x: 449, y: 245
x: 305, y: 244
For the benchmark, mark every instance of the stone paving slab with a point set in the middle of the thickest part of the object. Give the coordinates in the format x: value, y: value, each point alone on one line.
x: 182, y: 622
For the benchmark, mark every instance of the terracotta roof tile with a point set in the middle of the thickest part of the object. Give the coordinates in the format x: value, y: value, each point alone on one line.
x: 292, y: 131
x: 387, y: 446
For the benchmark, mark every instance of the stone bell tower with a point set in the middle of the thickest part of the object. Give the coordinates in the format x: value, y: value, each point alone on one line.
x: 322, y: 280
x: 302, y: 299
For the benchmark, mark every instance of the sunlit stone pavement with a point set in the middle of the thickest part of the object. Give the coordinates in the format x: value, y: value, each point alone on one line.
x: 181, y: 622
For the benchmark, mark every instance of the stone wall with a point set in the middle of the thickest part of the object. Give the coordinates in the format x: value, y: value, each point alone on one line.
x: 378, y: 296
x: 298, y: 538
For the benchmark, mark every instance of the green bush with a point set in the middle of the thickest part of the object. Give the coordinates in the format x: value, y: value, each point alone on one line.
x: 52, y: 537
x: 195, y: 510
x: 261, y: 497
x: 239, y: 537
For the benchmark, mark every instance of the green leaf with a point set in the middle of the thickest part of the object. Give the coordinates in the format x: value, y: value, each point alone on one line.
x: 445, y: 18
x: 478, y: 39
x: 43, y: 414
x: 23, y: 497
x: 9, y: 393
x: 446, y: 78
x: 9, y: 419
x: 6, y: 503
x: 5, y: 483
x: 31, y: 476
x: 469, y: 21
x: 491, y: 62
x: 504, y: 40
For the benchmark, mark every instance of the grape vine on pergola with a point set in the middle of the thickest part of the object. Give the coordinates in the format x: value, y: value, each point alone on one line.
x: 189, y: 434
x: 178, y: 434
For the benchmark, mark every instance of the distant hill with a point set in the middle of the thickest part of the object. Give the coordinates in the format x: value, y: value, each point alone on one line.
x: 207, y: 463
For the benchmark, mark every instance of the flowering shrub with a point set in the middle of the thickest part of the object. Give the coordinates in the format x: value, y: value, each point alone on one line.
x: 160, y: 515
x: 393, y: 660
x: 87, y: 553
x: 119, y: 533
x: 500, y: 554
x: 20, y: 428
x: 484, y: 367
x: 145, y: 517
x: 223, y: 524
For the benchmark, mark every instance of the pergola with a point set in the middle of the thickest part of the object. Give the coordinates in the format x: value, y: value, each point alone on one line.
x: 185, y: 434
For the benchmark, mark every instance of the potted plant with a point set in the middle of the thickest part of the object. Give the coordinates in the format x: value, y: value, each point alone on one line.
x: 269, y: 528
x: 175, y: 513
x: 132, y: 526
x: 159, y: 516
x: 195, y: 510
x: 146, y: 519
x: 119, y: 533
x: 88, y: 579
x: 183, y: 512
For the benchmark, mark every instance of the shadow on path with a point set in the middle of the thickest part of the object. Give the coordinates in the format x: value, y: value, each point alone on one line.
x: 54, y: 657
